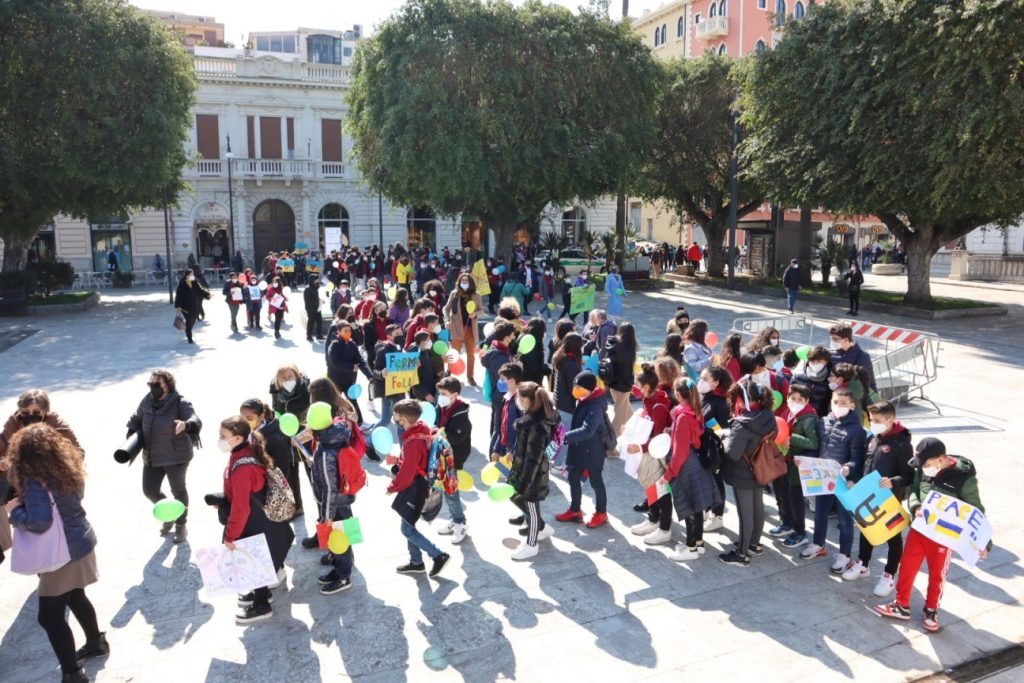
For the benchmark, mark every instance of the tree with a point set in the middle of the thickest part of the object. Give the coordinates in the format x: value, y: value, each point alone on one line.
x: 498, y: 110
x: 910, y: 111
x: 95, y: 103
x: 688, y: 166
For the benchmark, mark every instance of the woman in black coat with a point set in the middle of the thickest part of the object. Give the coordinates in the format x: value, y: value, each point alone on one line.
x: 188, y: 300
x: 534, y: 367
x: 529, y: 473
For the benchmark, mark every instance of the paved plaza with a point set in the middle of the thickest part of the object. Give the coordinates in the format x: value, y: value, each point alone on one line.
x: 593, y: 605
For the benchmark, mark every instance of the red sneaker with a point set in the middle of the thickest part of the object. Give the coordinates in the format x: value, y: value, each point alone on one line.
x: 597, y: 519
x: 570, y: 516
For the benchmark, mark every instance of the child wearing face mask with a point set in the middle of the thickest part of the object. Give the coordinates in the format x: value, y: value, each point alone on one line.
x: 454, y: 420
x: 790, y: 362
x: 530, y: 466
x: 588, y: 441
x: 343, y: 358
x: 816, y: 377
x: 889, y: 452
x: 391, y: 343
x: 278, y: 303
x: 850, y: 377
x: 497, y: 356
x: 755, y: 365
x: 952, y: 475
x: 253, y: 297
x: 425, y: 388
x: 503, y: 441
x: 713, y: 385
x: 841, y: 439
x: 658, y: 410
x: 234, y: 296
x: 803, y: 440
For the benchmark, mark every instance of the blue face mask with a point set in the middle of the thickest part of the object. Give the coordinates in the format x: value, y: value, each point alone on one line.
x: 777, y: 365
x: 502, y: 385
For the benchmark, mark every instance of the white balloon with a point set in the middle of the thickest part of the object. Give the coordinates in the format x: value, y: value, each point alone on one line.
x: 488, y: 329
x: 659, y: 446
x: 287, y: 291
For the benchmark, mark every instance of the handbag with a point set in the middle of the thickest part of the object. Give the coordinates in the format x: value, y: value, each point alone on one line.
x: 179, y: 320
x: 44, y: 552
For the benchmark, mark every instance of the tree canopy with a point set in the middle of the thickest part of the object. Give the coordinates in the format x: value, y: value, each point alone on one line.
x: 497, y: 110
x: 688, y: 166
x: 911, y: 111
x: 95, y: 103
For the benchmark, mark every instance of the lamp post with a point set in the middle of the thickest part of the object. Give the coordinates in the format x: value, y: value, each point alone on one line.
x: 379, y: 177
x: 169, y: 266
x: 229, y: 155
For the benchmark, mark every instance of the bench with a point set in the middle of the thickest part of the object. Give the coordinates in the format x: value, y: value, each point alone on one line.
x: 637, y: 280
x: 14, y: 301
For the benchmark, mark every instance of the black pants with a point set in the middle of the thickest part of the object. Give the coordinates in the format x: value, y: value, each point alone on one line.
x: 789, y: 498
x: 234, y: 316
x: 314, y: 325
x: 190, y: 322
x: 252, y: 314
x: 694, y: 530
x: 892, y: 562
x: 293, y: 481
x: 719, y: 510
x: 531, y: 512
x: 855, y: 300
x: 278, y: 317
x: 661, y: 512
x: 596, y: 482
x: 153, y: 480
x: 54, y: 622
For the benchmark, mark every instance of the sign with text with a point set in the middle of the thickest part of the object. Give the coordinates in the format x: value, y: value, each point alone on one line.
x: 479, y: 273
x: 401, y: 372
x: 818, y: 476
x: 955, y: 524
x: 581, y: 299
x: 878, y: 513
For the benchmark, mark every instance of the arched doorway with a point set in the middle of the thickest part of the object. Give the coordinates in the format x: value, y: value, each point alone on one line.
x: 333, y: 223
x: 273, y: 227
x: 212, y: 245
x: 422, y: 229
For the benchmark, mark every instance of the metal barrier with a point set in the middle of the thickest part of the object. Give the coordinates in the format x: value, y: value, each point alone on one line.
x: 793, y: 329
x: 909, y: 364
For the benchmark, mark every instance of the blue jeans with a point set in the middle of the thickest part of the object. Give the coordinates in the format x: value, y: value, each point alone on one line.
x: 417, y: 543
x: 454, y: 502
x: 822, y: 508
x: 791, y: 298
x: 387, y: 405
x: 343, y: 563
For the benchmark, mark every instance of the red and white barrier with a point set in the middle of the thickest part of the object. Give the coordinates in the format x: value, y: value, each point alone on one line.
x: 885, y: 333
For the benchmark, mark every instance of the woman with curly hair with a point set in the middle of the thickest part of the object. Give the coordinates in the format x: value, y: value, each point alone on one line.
x: 49, y: 473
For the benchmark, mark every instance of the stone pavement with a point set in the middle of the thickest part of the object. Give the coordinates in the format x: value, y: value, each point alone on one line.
x: 594, y: 603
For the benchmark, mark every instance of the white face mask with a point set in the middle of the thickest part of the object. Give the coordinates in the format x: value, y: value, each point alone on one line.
x: 703, y: 386
x: 444, y: 401
x: 833, y: 345
x: 224, y: 445
x: 833, y: 385
x: 795, y: 407
x: 435, y: 329
x: 763, y: 378
x: 815, y: 367
x: 289, y: 384
x: 930, y: 472
x: 840, y: 411
x: 464, y: 286
x: 773, y: 342
x: 878, y: 428
x: 425, y: 346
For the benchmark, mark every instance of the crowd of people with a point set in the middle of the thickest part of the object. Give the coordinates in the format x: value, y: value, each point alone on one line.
x: 561, y: 404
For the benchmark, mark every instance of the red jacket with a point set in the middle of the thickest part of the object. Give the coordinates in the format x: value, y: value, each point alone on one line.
x: 415, y: 324
x: 659, y: 411
x: 239, y: 485
x: 732, y: 366
x: 694, y: 253
x: 413, y: 461
x: 269, y: 296
x: 364, y: 309
x: 686, y: 431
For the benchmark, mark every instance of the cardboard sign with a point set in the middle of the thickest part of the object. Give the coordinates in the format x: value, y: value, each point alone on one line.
x: 878, y: 513
x: 277, y: 301
x: 818, y: 477
x: 287, y: 265
x: 401, y: 372
x: 581, y: 299
x: 479, y: 273
x: 255, y: 294
x: 232, y: 572
x: 236, y: 293
x: 955, y: 524
x: 314, y: 265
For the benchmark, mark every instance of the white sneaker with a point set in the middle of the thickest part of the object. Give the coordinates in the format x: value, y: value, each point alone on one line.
x: 812, y: 551
x: 714, y: 524
x: 658, y: 537
x: 856, y: 570
x: 643, y: 528
x: 447, y: 530
x: 459, y: 533
x: 682, y: 553
x: 841, y: 564
x: 886, y: 582
x: 524, y: 551
x: 547, y: 532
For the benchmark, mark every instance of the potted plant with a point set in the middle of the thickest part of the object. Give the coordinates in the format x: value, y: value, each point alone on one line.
x: 123, y: 280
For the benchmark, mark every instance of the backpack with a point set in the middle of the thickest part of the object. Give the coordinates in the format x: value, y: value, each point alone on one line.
x: 607, y: 435
x: 557, y: 439
x: 351, y: 475
x: 441, y: 462
x: 279, y: 505
x: 606, y: 371
x: 766, y: 462
x: 710, y: 451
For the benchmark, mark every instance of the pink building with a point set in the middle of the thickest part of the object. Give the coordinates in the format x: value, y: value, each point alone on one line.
x: 739, y: 27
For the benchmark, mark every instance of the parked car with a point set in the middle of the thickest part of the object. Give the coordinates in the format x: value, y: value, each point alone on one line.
x: 572, y: 262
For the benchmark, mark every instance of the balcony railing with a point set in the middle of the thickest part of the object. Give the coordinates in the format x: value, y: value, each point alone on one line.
x: 269, y: 68
x: 712, y: 27
x: 272, y: 168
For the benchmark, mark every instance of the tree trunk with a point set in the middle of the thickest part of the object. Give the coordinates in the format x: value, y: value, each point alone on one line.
x: 804, y: 253
x: 15, y: 252
x: 715, y: 233
x: 620, y: 230
x: 504, y: 235
x: 920, y: 249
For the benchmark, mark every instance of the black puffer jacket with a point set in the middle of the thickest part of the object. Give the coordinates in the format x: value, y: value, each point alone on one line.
x: 745, y: 433
x: 890, y: 454
x: 279, y: 446
x: 529, y: 474
x: 622, y: 361
x: 564, y: 379
x: 160, y: 445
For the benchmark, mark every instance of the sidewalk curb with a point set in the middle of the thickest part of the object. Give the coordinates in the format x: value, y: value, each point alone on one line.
x: 904, y: 311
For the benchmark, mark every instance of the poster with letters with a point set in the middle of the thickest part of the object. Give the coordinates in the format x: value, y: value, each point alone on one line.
x: 955, y: 524
x: 818, y: 476
x: 581, y: 299
x: 878, y: 514
x: 238, y: 571
x: 287, y: 265
x: 401, y: 372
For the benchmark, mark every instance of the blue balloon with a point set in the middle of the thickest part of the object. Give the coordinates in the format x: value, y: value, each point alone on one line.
x: 592, y: 363
x: 502, y: 385
x: 429, y: 414
x: 382, y: 440
x: 444, y: 335
x: 501, y: 269
x: 355, y: 391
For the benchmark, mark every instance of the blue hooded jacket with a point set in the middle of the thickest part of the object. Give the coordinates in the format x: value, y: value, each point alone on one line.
x: 325, y: 467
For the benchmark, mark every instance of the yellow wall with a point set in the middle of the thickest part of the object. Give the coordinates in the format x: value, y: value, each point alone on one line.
x: 669, y: 15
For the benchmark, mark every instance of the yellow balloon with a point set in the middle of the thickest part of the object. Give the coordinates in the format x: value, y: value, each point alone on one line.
x: 337, y: 542
x: 490, y: 474
x: 636, y: 368
x: 392, y: 292
x: 465, y: 481
x: 470, y: 306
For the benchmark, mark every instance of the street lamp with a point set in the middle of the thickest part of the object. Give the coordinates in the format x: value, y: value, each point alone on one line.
x: 229, y: 155
x: 379, y: 177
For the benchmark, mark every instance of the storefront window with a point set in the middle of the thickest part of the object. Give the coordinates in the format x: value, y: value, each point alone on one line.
x: 574, y: 222
x: 323, y: 49
x: 111, y: 249
x: 212, y: 243
x: 44, y: 247
x: 422, y: 229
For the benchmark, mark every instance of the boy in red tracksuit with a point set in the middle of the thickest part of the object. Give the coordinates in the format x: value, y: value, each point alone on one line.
x: 949, y: 474
x: 412, y: 487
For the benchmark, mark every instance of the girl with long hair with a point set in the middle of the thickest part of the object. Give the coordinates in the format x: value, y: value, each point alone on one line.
x: 534, y: 368
x: 529, y: 473
x: 731, y: 353
x: 621, y: 353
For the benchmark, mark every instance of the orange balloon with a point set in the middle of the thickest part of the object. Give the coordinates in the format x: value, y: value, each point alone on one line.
x: 457, y: 366
x: 711, y: 339
x: 783, y: 434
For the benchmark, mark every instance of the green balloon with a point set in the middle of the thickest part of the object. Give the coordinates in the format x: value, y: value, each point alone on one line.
x: 168, y: 509
x: 289, y: 424
x: 500, y: 492
x: 803, y: 352
x: 620, y: 291
x: 319, y: 416
x: 527, y: 343
x: 776, y: 399
x: 440, y: 347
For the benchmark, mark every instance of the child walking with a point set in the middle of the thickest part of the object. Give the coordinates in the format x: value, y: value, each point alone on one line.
x: 529, y: 474
x: 458, y: 429
x: 588, y: 441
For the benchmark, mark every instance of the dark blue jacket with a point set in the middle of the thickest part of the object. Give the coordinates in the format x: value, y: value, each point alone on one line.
x: 36, y: 516
x: 842, y: 440
x: 510, y: 427
x: 343, y: 357
x: 584, y: 436
x: 855, y: 356
x: 325, y: 468
x: 493, y: 360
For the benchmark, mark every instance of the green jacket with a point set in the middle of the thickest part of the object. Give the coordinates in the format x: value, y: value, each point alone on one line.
x: 959, y: 480
x: 803, y: 440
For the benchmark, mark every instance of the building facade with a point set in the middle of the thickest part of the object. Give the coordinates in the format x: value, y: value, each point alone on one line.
x: 194, y: 29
